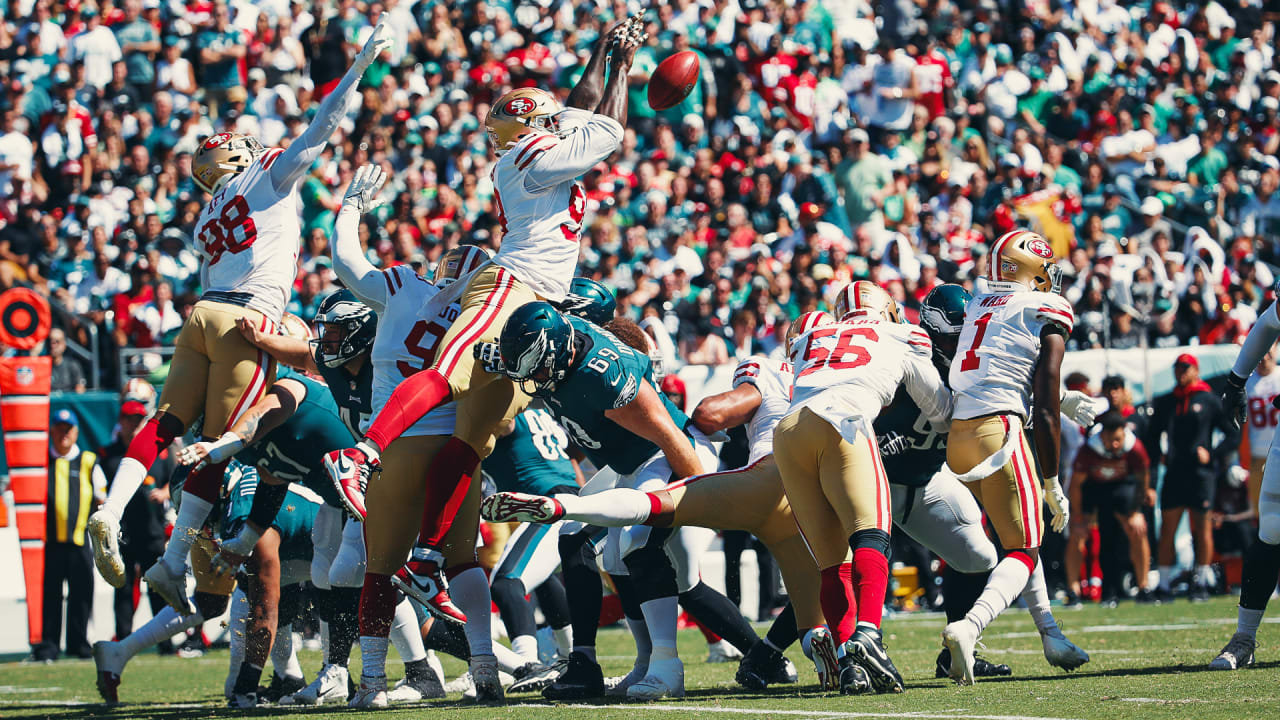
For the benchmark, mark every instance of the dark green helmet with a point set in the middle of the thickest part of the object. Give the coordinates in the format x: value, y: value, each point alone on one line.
x: 942, y: 316
x: 344, y: 329
x: 589, y: 300
x: 536, y: 347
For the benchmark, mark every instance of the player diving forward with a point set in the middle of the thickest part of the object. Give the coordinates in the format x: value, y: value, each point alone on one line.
x: 1007, y: 372
x: 542, y: 149
x: 249, y: 237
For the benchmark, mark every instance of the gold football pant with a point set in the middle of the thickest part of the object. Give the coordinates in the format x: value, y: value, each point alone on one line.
x: 1012, y: 495
x: 751, y: 499
x: 215, y: 370
x: 208, y: 581
x: 835, y: 488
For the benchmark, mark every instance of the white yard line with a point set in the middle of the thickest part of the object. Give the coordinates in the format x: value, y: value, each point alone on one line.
x: 18, y: 690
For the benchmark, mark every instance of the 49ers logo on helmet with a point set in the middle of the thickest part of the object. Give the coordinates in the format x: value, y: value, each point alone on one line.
x: 216, y: 140
x: 520, y: 106
x: 1041, y: 248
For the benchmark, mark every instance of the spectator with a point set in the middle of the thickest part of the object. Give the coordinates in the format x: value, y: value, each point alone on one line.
x: 222, y: 47
x: 140, y: 44
x: 76, y: 485
x: 67, y: 375
x: 95, y: 49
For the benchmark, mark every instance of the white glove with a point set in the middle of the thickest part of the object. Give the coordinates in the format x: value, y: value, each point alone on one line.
x: 233, y: 552
x: 363, y: 190
x: 1080, y: 407
x: 1237, y: 475
x: 490, y: 357
x: 203, y: 453
x: 379, y: 42
x: 1057, y: 503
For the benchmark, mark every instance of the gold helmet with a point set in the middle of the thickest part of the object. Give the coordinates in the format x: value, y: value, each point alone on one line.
x: 293, y: 326
x: 805, y: 323
x: 519, y: 113
x: 863, y: 297
x: 458, y: 262
x: 1025, y: 258
x: 139, y: 390
x: 220, y: 157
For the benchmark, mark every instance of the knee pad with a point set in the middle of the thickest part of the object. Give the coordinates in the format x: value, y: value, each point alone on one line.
x: 651, y: 573
x: 685, y: 549
x: 326, y: 538
x: 873, y: 539
x: 1269, y: 523
x: 349, y: 564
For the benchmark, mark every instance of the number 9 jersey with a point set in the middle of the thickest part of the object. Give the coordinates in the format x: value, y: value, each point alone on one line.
x: 998, y: 350
x: 249, y: 237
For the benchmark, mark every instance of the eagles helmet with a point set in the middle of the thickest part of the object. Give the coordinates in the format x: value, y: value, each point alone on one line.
x: 942, y: 316
x: 536, y: 346
x: 344, y: 329
x: 589, y: 300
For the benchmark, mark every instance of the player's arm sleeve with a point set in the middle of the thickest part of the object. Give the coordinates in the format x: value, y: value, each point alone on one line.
x: 99, y: 483
x: 1056, y: 311
x: 1261, y: 337
x: 353, y: 268
x: 304, y: 150
x: 548, y: 160
x: 924, y: 385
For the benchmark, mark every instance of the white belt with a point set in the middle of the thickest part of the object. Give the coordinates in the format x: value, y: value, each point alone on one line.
x: 996, y: 460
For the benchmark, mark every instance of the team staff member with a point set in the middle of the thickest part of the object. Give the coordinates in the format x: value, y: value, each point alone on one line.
x: 1192, y: 467
x: 76, y: 484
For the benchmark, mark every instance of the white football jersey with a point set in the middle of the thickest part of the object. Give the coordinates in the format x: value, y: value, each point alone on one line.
x: 773, y: 379
x: 541, y: 204
x: 1260, y: 391
x: 998, y: 350
x: 410, y: 328
x: 853, y: 369
x: 249, y: 236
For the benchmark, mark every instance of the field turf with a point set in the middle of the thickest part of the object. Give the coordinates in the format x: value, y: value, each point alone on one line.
x: 1148, y: 662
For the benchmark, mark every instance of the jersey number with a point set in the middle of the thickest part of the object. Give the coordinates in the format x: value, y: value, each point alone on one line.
x: 421, y: 343
x: 577, y: 210
x: 232, y: 231
x: 971, y: 360
x: 1262, y: 414
x: 547, y: 436
x: 844, y: 356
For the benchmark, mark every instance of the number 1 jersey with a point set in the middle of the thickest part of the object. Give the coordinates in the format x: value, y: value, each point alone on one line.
x: 249, y: 236
x: 998, y: 350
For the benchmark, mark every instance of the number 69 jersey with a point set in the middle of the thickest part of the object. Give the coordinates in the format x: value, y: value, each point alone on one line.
x: 249, y: 237
x: 854, y: 369
x: 998, y: 350
x: 409, y: 330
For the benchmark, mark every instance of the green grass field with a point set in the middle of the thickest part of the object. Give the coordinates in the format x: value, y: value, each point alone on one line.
x: 1148, y: 662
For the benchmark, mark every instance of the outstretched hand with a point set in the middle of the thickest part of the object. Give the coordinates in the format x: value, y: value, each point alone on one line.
x: 379, y: 42
x: 363, y: 190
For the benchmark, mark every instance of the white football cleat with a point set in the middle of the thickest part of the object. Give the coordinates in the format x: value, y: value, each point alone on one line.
x: 1061, y: 652
x: 329, y: 687
x: 104, y: 538
x: 521, y: 507
x: 1237, y: 654
x: 961, y: 638
x: 618, y: 686
x: 372, y: 693
x: 462, y: 684
x: 109, y: 661
x: 722, y: 652
x: 171, y: 587
x: 826, y: 659
x: 428, y: 688
x: 664, y: 679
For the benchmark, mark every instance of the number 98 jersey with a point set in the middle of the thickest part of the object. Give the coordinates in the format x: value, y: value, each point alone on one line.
x: 409, y: 331
x: 998, y: 350
x: 249, y: 237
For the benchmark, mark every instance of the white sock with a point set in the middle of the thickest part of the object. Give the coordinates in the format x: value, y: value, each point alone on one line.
x: 237, y: 628
x: 1036, y: 596
x: 434, y: 663
x: 1247, y: 621
x: 1204, y: 574
x: 526, y: 646
x: 191, y: 517
x: 661, y: 616
x: 564, y: 639
x: 373, y: 656
x: 508, y: 661
x: 324, y: 640
x: 163, y: 626
x: 612, y: 508
x: 644, y: 644
x: 405, y: 633
x: 1166, y: 576
x: 284, y: 658
x: 1006, y: 581
x: 128, y: 478
x: 470, y: 591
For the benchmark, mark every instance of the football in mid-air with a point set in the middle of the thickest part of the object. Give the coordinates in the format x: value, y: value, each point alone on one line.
x: 673, y: 80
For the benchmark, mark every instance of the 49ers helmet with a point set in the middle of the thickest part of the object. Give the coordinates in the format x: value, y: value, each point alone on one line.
x: 1024, y: 258
x: 221, y: 157
x: 805, y: 323
x: 457, y: 262
x: 863, y: 297
x: 519, y: 113
x: 295, y: 327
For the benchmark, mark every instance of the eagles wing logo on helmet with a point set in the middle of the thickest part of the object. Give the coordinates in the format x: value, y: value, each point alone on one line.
x: 520, y: 106
x: 937, y: 319
x: 1040, y: 247
x: 533, y: 356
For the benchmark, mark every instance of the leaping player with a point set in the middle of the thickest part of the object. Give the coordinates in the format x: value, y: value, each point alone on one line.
x: 249, y: 237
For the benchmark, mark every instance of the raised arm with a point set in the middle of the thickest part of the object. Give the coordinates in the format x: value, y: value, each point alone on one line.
x: 586, y: 94
x: 647, y: 417
x: 614, y: 104
x: 353, y: 268
x: 304, y: 150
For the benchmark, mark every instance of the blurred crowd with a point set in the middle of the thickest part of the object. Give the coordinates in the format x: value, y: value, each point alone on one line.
x: 826, y: 140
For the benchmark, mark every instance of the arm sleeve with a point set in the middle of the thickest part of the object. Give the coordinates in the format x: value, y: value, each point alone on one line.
x: 926, y: 388
x: 353, y: 268
x: 549, y: 160
x: 1055, y: 310
x: 1260, y: 339
x: 747, y: 372
x: 305, y: 149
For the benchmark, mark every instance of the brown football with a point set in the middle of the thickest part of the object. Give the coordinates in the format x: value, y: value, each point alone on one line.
x: 673, y: 80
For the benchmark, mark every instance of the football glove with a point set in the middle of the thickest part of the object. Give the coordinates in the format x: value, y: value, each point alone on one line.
x: 1057, y: 503
x: 379, y: 42
x: 205, y: 453
x: 362, y: 193
x: 1233, y: 400
x: 490, y: 358
x: 1080, y: 407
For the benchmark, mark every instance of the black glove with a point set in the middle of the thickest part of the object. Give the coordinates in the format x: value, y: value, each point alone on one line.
x: 893, y: 443
x: 1233, y: 400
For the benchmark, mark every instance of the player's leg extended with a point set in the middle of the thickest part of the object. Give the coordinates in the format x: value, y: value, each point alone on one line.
x: 1261, y: 567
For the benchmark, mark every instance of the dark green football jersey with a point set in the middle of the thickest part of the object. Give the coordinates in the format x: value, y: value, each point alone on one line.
x: 533, y: 457
x: 294, y: 521
x: 353, y: 394
x: 926, y: 450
